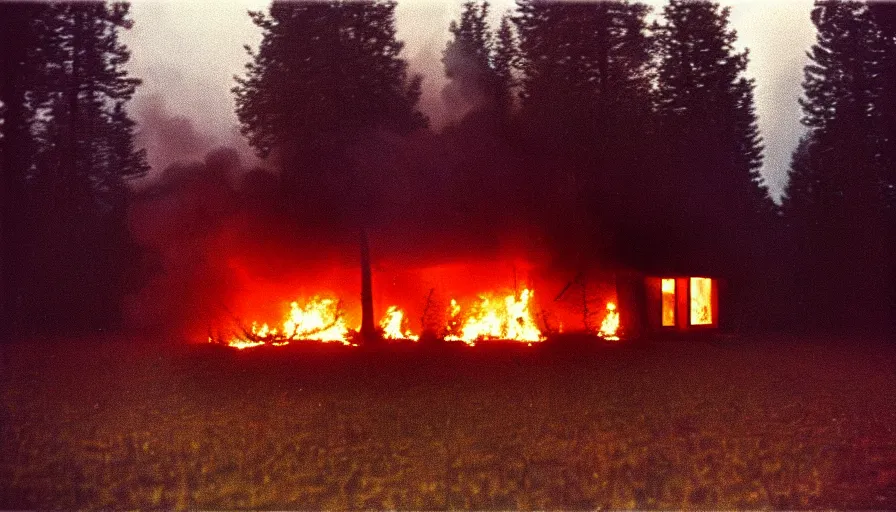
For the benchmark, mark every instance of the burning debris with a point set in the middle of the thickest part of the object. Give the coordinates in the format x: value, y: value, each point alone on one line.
x: 394, y: 325
x: 503, y: 318
x: 318, y: 320
x: 491, y: 317
x: 610, y: 324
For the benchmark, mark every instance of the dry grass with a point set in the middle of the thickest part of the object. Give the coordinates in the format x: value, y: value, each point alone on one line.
x: 731, y: 424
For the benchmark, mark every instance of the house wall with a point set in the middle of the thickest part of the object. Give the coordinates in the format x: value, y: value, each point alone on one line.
x: 631, y: 297
x: 651, y: 317
x: 682, y: 304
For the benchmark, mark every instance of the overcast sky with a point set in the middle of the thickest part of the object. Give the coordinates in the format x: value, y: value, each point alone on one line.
x: 187, y: 52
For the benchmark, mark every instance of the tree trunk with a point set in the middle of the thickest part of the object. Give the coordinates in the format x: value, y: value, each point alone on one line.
x: 368, y: 324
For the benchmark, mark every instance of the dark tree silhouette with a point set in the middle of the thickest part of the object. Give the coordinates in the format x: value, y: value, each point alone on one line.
x: 483, y: 163
x: 326, y: 76
x: 585, y: 116
x: 835, y: 202
x: 713, y: 198
x: 885, y: 17
x: 479, y: 62
x: 884, y: 14
x: 504, y: 58
x: 81, y: 246
x: 19, y: 73
x: 468, y: 58
x: 71, y: 242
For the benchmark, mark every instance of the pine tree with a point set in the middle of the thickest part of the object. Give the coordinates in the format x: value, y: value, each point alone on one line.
x: 885, y: 17
x: 835, y: 202
x: 83, y: 154
x: 713, y: 197
x: 468, y: 57
x: 19, y: 71
x: 479, y: 62
x: 707, y: 115
x: 483, y: 170
x: 504, y: 58
x: 585, y: 113
x: 326, y: 76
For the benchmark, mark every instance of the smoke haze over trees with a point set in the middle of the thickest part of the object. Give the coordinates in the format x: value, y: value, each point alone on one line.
x: 327, y: 76
x: 588, y: 136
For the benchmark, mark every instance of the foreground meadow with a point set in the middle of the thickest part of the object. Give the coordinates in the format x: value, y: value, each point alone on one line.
x: 724, y: 423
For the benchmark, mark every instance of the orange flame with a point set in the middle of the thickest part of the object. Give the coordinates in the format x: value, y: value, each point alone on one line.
x: 243, y: 344
x: 492, y: 317
x: 701, y: 301
x: 393, y: 323
x: 610, y: 324
x: 506, y: 318
x: 319, y: 320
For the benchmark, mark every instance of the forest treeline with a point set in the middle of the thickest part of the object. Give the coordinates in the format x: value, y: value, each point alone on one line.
x: 615, y: 137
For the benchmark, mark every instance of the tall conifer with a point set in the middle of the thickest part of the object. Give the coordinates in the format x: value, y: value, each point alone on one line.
x: 19, y: 72
x: 585, y: 113
x: 713, y: 198
x: 835, y: 204
x: 71, y: 170
x: 325, y: 77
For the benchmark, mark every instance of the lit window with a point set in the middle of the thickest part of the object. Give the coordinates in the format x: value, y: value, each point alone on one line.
x: 668, y: 288
x: 701, y: 301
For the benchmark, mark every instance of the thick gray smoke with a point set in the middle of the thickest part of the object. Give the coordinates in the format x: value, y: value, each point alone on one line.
x: 221, y: 247
x: 167, y: 137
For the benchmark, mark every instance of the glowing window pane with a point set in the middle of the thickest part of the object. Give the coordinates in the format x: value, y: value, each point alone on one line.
x: 701, y: 301
x: 668, y: 288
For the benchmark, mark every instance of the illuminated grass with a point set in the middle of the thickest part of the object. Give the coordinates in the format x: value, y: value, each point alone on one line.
x: 731, y: 425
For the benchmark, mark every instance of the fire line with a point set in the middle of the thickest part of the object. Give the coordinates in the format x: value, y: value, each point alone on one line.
x: 491, y: 317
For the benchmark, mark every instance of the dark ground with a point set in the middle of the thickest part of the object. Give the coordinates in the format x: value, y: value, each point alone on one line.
x: 731, y: 423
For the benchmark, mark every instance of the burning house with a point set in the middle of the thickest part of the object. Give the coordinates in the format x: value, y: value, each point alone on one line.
x: 656, y: 302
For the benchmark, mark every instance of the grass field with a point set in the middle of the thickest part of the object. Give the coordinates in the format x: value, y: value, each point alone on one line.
x: 727, y: 423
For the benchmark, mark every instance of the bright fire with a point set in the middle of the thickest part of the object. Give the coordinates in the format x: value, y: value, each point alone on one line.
x: 394, y: 325
x: 491, y: 317
x: 319, y: 320
x: 668, y: 305
x: 610, y: 324
x: 504, y: 318
x: 701, y: 301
